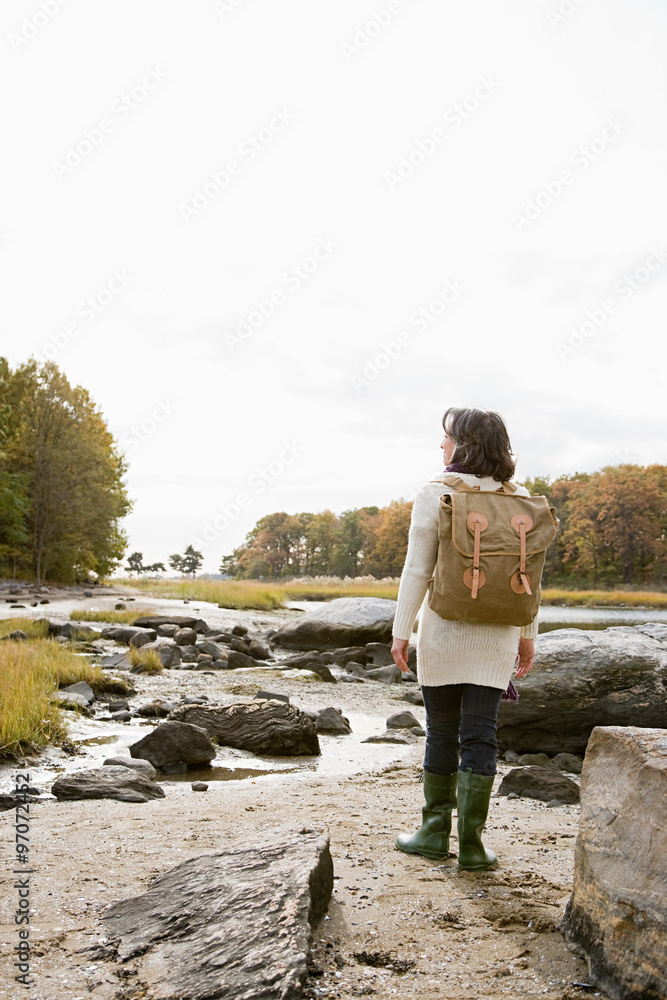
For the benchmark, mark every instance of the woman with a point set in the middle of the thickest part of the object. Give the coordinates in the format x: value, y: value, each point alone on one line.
x: 463, y: 668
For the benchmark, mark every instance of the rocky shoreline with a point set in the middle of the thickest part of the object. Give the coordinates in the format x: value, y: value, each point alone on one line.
x: 396, y: 925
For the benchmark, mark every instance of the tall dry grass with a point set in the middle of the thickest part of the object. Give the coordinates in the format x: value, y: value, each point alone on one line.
x: 30, y: 671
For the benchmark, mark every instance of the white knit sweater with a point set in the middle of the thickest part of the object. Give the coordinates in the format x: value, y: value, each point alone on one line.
x: 450, y: 652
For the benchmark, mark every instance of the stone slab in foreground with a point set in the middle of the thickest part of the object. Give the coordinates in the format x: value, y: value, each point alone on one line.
x: 617, y: 913
x: 237, y: 923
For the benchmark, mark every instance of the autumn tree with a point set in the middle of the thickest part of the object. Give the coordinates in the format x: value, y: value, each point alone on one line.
x: 616, y: 524
x: 62, y: 476
x: 392, y: 539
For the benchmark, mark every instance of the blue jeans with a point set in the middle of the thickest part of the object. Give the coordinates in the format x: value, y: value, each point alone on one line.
x: 461, y: 716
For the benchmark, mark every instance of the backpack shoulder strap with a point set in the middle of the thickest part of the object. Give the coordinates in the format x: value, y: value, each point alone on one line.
x: 507, y: 487
x: 456, y: 483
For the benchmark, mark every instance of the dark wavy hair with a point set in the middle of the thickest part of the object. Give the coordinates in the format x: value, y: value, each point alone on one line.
x: 482, y: 442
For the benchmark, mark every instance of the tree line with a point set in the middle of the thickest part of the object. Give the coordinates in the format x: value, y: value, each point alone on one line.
x: 613, y: 529
x: 62, y: 494
x: 63, y: 497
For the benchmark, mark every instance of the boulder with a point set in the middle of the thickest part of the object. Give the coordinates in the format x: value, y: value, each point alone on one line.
x: 142, y: 766
x: 402, y: 720
x: 211, y: 649
x: 566, y: 762
x: 269, y: 695
x: 82, y: 688
x: 111, y: 782
x: 414, y: 697
x: 236, y: 660
x: 378, y: 654
x: 263, y: 727
x: 246, y: 912
x: 346, y: 654
x: 356, y: 669
x: 240, y: 630
x: 182, y: 621
x: 174, y: 741
x: 539, y: 783
x: 332, y: 720
x: 260, y: 650
x: 617, y: 914
x: 72, y: 698
x: 388, y: 675
x: 168, y: 651
x: 77, y: 628
x: 342, y: 622
x: 130, y: 635
x: 185, y: 637
x: 403, y: 736
x: 585, y: 678
x: 538, y: 759
x: 168, y: 630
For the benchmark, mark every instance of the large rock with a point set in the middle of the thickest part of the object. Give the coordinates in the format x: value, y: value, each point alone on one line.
x: 586, y: 678
x: 539, y: 783
x: 247, y: 913
x: 617, y: 913
x: 111, y: 782
x: 263, y: 727
x: 129, y: 634
x: 345, y: 621
x: 152, y: 621
x: 168, y: 651
x: 174, y: 741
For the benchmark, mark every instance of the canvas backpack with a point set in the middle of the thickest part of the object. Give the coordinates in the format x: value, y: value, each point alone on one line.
x: 491, y: 550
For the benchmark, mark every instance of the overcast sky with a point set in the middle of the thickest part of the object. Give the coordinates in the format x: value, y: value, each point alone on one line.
x: 275, y: 241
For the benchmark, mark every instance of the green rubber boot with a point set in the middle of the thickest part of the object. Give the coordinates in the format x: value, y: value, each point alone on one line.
x: 474, y: 795
x: 432, y: 839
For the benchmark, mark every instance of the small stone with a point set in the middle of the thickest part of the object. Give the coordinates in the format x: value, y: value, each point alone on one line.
x: 119, y: 607
x: 554, y: 803
x: 199, y: 786
x: 513, y: 795
x: 122, y: 716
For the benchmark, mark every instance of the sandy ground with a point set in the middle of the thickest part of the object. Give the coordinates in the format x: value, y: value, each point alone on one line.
x: 397, y: 925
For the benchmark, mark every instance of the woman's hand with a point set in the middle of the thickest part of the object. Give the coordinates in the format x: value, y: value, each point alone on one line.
x: 399, y: 650
x: 526, y: 656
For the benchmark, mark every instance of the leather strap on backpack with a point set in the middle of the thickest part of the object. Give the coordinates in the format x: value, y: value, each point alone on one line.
x: 460, y: 485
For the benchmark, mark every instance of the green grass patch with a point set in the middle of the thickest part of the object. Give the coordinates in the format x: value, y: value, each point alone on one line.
x: 29, y: 674
x: 127, y: 617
